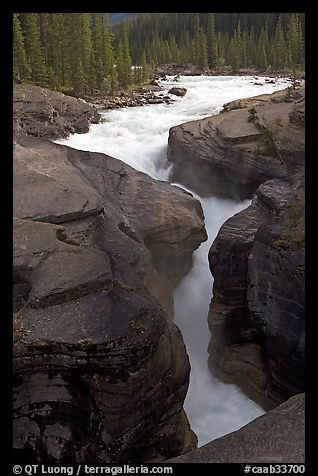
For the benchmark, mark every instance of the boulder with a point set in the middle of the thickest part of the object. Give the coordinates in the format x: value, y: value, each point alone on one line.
x: 100, y: 372
x: 257, y: 310
x: 297, y: 115
x: 178, y: 91
x: 276, y: 437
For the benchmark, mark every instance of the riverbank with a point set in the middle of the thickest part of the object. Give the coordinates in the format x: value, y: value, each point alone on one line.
x: 190, y: 70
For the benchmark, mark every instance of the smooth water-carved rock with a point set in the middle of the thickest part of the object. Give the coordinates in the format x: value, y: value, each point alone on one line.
x: 276, y: 437
x: 100, y: 372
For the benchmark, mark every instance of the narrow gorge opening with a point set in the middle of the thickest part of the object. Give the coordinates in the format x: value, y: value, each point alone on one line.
x: 138, y: 136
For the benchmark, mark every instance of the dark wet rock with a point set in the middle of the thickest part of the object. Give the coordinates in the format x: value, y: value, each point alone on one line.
x: 257, y: 310
x: 100, y: 373
x: 178, y: 91
x: 276, y: 437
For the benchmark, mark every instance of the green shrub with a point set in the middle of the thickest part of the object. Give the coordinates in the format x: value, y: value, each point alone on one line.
x: 252, y: 115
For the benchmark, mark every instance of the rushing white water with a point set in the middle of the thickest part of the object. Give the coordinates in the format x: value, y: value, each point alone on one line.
x: 138, y: 136
x: 213, y: 407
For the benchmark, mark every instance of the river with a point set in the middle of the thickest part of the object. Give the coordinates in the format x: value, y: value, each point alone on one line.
x: 139, y: 136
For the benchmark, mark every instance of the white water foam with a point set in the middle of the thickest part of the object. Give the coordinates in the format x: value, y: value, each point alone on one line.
x: 138, y: 136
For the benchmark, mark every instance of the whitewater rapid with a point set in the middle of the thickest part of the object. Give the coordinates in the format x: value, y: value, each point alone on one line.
x: 139, y: 136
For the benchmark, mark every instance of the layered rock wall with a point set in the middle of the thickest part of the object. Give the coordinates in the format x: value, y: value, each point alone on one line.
x: 257, y: 310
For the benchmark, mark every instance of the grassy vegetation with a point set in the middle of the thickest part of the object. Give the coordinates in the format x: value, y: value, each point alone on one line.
x: 293, y: 236
x: 252, y: 115
x: 18, y: 330
x: 266, y: 146
x: 138, y: 325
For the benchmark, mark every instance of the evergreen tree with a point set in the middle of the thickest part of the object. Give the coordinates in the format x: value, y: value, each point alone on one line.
x: 185, y: 46
x: 21, y: 68
x: 212, y: 41
x: 120, y: 68
x: 231, y: 56
x: 196, y: 52
x: 58, y: 52
x: 262, y: 61
x: 91, y: 74
x: 221, y: 51
x: 125, y: 80
x: 34, y: 50
x: 279, y: 47
x: 252, y: 53
x: 79, y: 77
x: 124, y: 61
x: 86, y: 50
x: 98, y: 49
x: 300, y: 59
x: 108, y: 51
x: 43, y: 20
x: 243, y: 58
x: 76, y: 50
x: 294, y: 42
x: 166, y: 53
x: 237, y: 48
x: 144, y: 66
x: 114, y: 81
x: 203, y: 58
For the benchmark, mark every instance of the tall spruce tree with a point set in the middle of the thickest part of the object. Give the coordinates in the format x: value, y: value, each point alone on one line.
x: 279, y: 47
x: 34, y: 50
x: 87, y: 51
x: 108, y: 51
x: 126, y: 76
x: 244, y: 59
x: 262, y: 61
x: 21, y: 68
x: 203, y: 58
x: 212, y: 41
x: 237, y: 47
x: 58, y: 51
x: 294, y: 42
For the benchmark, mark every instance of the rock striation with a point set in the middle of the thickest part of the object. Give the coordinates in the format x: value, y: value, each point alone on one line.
x: 100, y: 372
x: 276, y: 437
